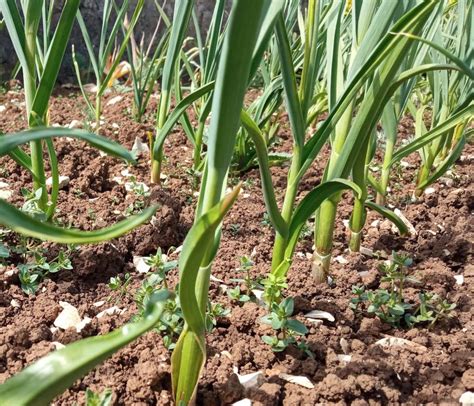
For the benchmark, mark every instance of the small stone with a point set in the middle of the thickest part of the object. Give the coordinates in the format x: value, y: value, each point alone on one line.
x: 214, y: 279
x: 399, y: 342
x: 75, y: 124
x: 69, y: 318
x: 58, y: 345
x: 375, y: 224
x: 405, y: 164
x: 114, y: 100
x: 402, y: 217
x: 14, y: 303
x: 252, y: 380
x: 140, y: 264
x: 90, y: 88
x: 63, y: 182
x: 344, y: 358
x: 139, y: 148
x: 341, y: 260
x: 11, y: 272
x: 430, y: 190
x: 344, y: 345
x: 366, y: 251
x: 5, y: 194
x: 467, y: 399
x: 319, y: 314
x: 468, y: 379
x: 2, y: 108
x: 449, y: 182
x: 227, y: 354
x: 243, y: 402
x: 297, y: 380
x: 110, y: 312
x: 459, y: 279
x: 259, y: 296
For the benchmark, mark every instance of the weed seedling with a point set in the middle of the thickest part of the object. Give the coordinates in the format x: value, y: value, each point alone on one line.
x: 234, y: 229
x: 171, y: 321
x: 390, y: 305
x: 119, y: 285
x: 33, y: 273
x: 266, y: 220
x: 98, y: 399
x: 245, y: 267
x: 214, y: 312
x: 161, y: 266
x: 31, y: 206
x: 432, y: 309
x: 273, y: 286
x: 140, y: 191
x: 91, y: 214
x: 5, y: 251
x: 237, y: 295
x: 286, y: 329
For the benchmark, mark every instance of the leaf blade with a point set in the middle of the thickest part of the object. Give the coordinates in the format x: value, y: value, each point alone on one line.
x: 48, y: 377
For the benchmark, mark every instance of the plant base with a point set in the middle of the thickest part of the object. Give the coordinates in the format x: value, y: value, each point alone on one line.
x: 320, y: 267
x: 354, y: 244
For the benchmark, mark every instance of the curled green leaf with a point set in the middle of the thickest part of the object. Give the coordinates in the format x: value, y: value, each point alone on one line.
x: 20, y: 222
x: 40, y: 383
x: 9, y: 142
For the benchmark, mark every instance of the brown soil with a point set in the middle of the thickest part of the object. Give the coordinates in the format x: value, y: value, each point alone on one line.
x: 436, y: 369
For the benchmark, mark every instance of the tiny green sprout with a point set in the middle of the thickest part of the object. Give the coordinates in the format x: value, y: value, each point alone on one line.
x: 360, y: 297
x: 273, y: 286
x: 29, y: 280
x: 171, y: 322
x: 91, y: 214
x: 31, y: 205
x: 160, y: 265
x: 246, y: 265
x: 141, y: 192
x: 78, y: 193
x: 33, y: 273
x: 306, y: 231
x: 61, y: 262
x: 237, y: 295
x: 234, y: 229
x: 117, y: 284
x: 266, y: 220
x: 395, y: 273
x: 215, y: 311
x: 98, y: 399
x: 387, y: 306
x: 432, y: 309
x: 303, y: 346
x: 4, y: 252
x: 286, y: 328
x: 390, y: 306
x: 195, y: 177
